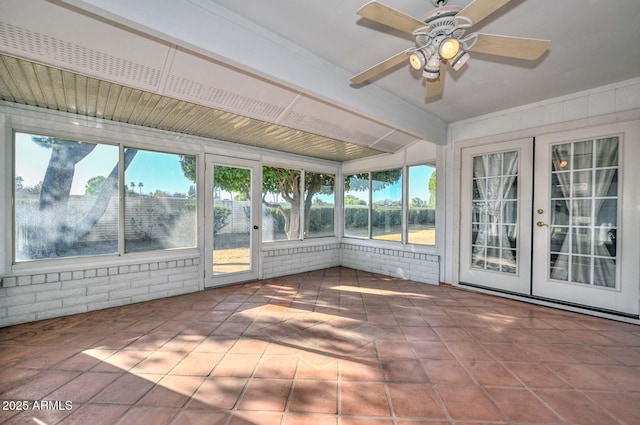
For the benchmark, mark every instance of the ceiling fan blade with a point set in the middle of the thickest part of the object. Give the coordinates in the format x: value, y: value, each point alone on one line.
x: 513, y: 47
x: 390, y: 17
x: 477, y: 10
x: 435, y: 87
x: 379, y: 68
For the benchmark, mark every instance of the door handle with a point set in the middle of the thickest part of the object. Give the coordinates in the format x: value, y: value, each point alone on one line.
x: 255, y: 227
x: 541, y: 224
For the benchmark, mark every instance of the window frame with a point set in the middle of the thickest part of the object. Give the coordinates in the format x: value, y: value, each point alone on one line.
x: 100, y: 136
x: 404, y: 240
x: 303, y: 170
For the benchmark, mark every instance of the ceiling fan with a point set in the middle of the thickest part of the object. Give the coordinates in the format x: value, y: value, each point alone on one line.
x: 441, y: 39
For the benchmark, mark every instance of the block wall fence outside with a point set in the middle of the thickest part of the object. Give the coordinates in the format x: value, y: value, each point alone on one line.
x: 26, y: 298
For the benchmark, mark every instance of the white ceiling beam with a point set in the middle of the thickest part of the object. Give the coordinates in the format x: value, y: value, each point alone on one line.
x: 213, y: 31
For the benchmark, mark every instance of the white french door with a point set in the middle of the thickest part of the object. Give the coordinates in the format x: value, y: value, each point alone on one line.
x: 586, y: 224
x: 232, y: 220
x: 495, y: 233
x: 565, y: 230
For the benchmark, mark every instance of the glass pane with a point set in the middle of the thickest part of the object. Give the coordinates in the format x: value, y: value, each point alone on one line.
x: 582, y: 185
x: 607, y: 152
x: 510, y: 212
x: 608, y: 212
x: 607, y: 182
x: 583, y: 155
x: 66, y: 198
x: 585, y: 221
x: 480, y: 166
x: 581, y: 212
x: 478, y: 189
x: 561, y: 157
x: 559, y: 239
x: 580, y: 269
x: 508, y: 261
x: 500, y: 191
x: 493, y: 259
x: 281, y: 204
x: 604, y: 272
x: 581, y: 240
x: 356, y: 205
x: 559, y: 267
x: 160, y: 202
x: 560, y: 212
x: 510, y: 163
x: 231, y: 219
x: 479, y: 212
x: 509, y: 237
x: 319, y: 205
x: 560, y: 183
x: 494, y: 164
x: 422, y: 205
x: 511, y: 184
x: 386, y: 214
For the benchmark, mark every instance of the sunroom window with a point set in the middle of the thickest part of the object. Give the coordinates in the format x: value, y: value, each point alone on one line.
x: 374, y: 207
x: 297, y: 204
x: 67, y: 199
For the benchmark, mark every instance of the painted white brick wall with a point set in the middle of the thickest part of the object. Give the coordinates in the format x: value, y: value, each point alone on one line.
x: 282, y: 262
x: 397, y: 263
x: 42, y: 296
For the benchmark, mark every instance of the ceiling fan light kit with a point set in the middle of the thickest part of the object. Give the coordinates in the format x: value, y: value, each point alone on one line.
x: 441, y: 39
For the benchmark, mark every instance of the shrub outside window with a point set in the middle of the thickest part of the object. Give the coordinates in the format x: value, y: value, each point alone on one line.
x: 386, y: 213
x: 421, y: 222
x: 319, y: 205
x: 356, y: 205
x: 67, y: 200
x: 374, y: 206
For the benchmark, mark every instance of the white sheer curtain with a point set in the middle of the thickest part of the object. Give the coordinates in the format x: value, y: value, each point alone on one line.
x: 605, y: 270
x: 578, y: 240
x: 494, y: 176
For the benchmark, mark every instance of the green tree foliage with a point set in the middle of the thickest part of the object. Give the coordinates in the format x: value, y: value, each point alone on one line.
x: 432, y: 191
x: 53, y: 235
x: 93, y: 185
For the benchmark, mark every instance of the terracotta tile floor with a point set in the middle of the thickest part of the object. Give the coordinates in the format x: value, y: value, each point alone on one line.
x: 335, y: 346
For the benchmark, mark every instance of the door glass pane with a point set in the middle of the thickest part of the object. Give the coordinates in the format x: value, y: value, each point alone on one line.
x: 281, y: 209
x: 231, y: 219
x: 356, y: 205
x: 495, y: 212
x: 584, y: 212
x: 421, y: 224
x: 319, y: 203
x: 386, y: 198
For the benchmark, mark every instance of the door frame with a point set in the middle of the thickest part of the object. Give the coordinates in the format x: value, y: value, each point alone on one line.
x: 210, y: 279
x: 519, y: 283
x: 611, y: 300
x: 628, y: 196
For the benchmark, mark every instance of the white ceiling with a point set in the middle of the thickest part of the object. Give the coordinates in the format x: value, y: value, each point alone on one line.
x: 289, y: 61
x: 594, y: 42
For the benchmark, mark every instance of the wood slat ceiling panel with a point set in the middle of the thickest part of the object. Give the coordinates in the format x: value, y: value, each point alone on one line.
x: 33, y: 84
